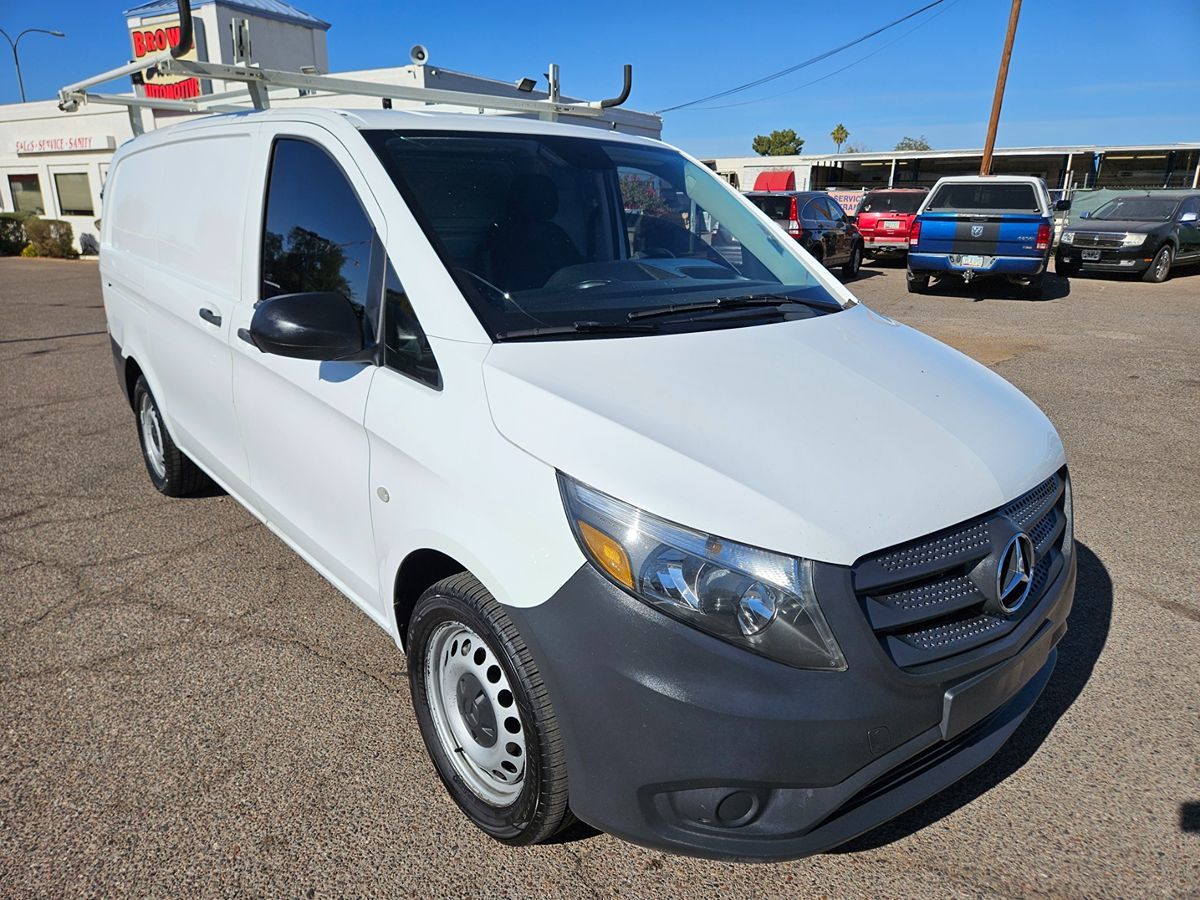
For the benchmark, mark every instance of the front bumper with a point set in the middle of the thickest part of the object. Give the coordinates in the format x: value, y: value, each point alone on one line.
x: 1131, y: 259
x: 945, y: 264
x: 679, y: 741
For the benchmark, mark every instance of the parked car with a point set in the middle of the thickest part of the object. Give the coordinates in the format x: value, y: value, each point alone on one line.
x: 983, y: 226
x: 620, y: 497
x: 883, y: 218
x: 818, y: 224
x: 1141, y: 233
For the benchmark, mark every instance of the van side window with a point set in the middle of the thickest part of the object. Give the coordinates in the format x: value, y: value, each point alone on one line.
x: 406, y: 348
x: 316, y: 236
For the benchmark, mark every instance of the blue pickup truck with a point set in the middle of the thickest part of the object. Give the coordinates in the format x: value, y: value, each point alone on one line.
x: 983, y: 226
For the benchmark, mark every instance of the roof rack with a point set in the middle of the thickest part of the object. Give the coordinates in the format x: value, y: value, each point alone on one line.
x: 259, y: 82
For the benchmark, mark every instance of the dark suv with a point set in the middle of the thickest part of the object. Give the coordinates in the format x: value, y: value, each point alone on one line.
x: 1141, y: 233
x: 818, y: 223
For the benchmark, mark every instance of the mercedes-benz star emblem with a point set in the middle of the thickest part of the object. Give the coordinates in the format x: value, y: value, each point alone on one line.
x: 976, y: 230
x: 1014, y: 574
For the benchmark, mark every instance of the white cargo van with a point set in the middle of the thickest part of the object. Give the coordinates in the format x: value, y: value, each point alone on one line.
x: 678, y: 537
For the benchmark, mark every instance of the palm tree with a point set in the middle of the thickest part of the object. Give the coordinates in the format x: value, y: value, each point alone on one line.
x: 839, y: 135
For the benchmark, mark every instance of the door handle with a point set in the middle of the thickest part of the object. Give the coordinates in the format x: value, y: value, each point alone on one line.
x: 209, y: 316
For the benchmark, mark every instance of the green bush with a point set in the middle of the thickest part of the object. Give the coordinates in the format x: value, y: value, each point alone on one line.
x: 51, y: 237
x: 12, y: 233
x: 29, y: 251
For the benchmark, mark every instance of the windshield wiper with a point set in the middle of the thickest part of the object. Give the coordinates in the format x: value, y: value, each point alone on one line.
x: 577, y: 328
x: 749, y: 301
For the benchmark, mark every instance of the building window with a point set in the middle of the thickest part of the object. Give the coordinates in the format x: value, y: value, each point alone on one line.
x: 27, y: 194
x: 74, y: 194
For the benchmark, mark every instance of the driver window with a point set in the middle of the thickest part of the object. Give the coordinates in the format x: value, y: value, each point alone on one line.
x: 316, y: 235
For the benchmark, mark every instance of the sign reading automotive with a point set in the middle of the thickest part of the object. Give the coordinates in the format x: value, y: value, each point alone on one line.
x: 149, y: 40
x: 74, y: 144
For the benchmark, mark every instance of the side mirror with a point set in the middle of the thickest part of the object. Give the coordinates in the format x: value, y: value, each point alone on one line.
x: 319, y: 325
x: 1062, y: 205
x: 1189, y: 217
x: 852, y: 219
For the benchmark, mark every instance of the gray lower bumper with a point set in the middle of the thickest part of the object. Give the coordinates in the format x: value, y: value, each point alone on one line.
x: 678, y: 741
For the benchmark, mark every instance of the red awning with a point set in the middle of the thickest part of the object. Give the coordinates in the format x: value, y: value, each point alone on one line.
x: 775, y: 181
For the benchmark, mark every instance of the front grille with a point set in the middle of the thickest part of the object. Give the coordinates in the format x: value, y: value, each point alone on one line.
x: 1098, y: 238
x: 930, y: 599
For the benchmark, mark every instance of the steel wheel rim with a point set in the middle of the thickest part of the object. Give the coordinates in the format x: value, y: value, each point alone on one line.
x: 468, y: 690
x: 152, y: 436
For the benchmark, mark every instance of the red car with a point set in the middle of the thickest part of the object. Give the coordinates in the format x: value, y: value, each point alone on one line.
x: 883, y: 218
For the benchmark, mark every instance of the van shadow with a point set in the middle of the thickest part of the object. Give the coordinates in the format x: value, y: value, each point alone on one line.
x: 1087, y: 632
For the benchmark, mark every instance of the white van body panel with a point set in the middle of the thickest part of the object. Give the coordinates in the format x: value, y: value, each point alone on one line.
x: 862, y: 433
x: 456, y: 485
x: 174, y: 249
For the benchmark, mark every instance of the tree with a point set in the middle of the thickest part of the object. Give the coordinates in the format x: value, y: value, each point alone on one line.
x: 641, y: 194
x: 913, y: 143
x: 839, y: 135
x: 778, y: 143
x: 857, y: 148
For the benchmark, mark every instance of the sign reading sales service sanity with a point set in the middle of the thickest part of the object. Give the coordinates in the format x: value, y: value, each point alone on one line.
x: 73, y: 144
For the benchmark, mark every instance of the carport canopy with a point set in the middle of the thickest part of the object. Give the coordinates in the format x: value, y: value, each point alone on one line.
x: 775, y: 181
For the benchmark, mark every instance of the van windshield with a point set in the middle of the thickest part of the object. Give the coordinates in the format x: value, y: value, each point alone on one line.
x: 546, y: 232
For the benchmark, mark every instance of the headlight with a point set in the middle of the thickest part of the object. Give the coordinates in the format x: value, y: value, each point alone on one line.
x: 1068, y: 237
x: 1133, y: 240
x: 753, y: 598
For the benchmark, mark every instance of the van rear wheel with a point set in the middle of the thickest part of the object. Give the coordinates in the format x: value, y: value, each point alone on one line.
x: 485, y: 715
x: 171, y: 472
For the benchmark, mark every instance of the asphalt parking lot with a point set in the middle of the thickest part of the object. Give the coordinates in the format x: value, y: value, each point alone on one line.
x: 186, y: 707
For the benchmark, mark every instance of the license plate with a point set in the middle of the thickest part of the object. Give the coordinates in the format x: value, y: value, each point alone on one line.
x: 1091, y: 254
x: 890, y: 226
x: 976, y: 261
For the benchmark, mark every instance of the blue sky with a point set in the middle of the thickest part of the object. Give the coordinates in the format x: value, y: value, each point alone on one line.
x: 1083, y: 71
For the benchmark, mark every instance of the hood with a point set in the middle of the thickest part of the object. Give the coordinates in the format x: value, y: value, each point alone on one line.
x: 1114, y: 225
x: 827, y: 438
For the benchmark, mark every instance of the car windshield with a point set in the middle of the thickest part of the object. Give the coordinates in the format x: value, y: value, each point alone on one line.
x: 1137, y: 209
x: 891, y: 201
x: 978, y: 196
x: 550, y: 233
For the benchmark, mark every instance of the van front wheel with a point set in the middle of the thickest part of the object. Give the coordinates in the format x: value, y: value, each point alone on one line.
x: 485, y: 715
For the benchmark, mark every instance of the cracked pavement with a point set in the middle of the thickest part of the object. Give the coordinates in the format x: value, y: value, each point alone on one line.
x: 186, y: 708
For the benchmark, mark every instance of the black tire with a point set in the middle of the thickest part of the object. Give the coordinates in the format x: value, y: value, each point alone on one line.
x: 917, y: 284
x: 1033, y: 289
x: 1159, y: 269
x: 174, y: 475
x: 850, y: 269
x: 1066, y: 269
x: 540, y: 810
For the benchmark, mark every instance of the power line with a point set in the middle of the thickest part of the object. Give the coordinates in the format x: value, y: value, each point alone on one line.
x: 808, y: 62
x: 860, y: 59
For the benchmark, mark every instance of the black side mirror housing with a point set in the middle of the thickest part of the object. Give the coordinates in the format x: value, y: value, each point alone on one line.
x: 1062, y: 205
x: 320, y: 325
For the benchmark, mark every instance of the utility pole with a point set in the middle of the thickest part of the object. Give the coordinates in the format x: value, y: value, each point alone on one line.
x: 985, y: 166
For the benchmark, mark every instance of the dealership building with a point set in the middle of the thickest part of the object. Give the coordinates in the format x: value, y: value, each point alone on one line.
x: 54, y: 164
x: 1063, y: 168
